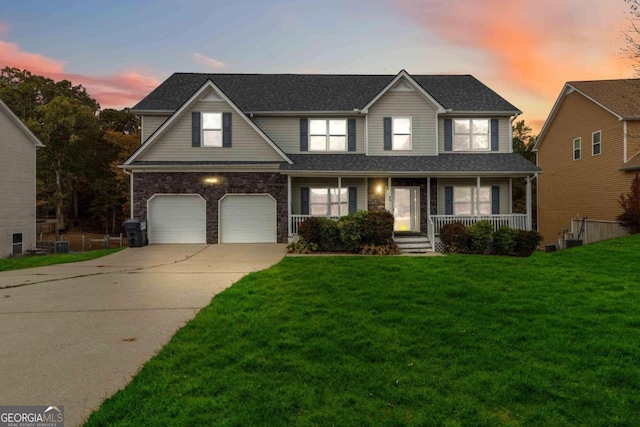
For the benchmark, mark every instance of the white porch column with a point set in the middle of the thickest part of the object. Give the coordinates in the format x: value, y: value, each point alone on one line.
x: 428, y: 199
x: 529, y: 220
x: 339, y: 196
x: 288, y: 205
x: 478, y: 197
x: 510, y: 195
x: 389, y: 202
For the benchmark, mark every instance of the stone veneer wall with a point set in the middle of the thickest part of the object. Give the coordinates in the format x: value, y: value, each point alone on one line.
x: 146, y: 185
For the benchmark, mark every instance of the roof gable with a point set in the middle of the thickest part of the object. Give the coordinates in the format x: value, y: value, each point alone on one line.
x: 7, y: 111
x: 322, y: 92
x: 202, y: 92
x: 404, y: 81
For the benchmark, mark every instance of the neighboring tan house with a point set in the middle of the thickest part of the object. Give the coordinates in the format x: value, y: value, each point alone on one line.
x: 17, y: 184
x: 589, y: 149
x: 246, y: 157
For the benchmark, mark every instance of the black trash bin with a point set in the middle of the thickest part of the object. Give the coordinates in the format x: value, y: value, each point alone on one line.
x: 136, y: 232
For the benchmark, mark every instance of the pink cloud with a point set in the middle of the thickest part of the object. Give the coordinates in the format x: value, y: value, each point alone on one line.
x: 209, y: 62
x: 123, y: 89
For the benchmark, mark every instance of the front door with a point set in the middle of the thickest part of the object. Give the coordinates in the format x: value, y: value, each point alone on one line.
x: 406, y: 208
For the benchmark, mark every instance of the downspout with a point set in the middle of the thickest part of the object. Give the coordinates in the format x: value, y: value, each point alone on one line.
x: 511, y: 123
x: 625, y: 136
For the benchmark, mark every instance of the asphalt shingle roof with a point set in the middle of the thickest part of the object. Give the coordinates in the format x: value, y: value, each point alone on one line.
x: 458, y: 162
x: 319, y: 92
x: 620, y: 96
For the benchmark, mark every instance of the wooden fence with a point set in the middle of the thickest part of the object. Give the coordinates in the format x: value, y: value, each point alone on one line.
x: 595, y: 231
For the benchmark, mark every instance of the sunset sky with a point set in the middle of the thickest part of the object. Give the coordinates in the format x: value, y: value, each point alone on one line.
x: 120, y: 50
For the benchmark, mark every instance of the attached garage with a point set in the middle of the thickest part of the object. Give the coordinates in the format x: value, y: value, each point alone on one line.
x: 177, y: 218
x: 247, y: 218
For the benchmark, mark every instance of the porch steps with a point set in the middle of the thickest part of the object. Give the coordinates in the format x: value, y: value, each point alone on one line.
x: 413, y: 243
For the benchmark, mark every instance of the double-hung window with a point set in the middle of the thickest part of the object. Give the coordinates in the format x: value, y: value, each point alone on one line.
x: 212, y: 129
x: 577, y: 143
x: 471, y: 135
x: 401, y: 139
x: 327, y: 135
x: 465, y: 201
x: 17, y: 244
x: 596, y: 143
x: 326, y: 201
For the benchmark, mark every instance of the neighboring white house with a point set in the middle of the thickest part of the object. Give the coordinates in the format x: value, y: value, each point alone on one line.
x: 17, y: 184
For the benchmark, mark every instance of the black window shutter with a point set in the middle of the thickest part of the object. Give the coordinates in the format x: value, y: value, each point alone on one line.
x: 195, y: 129
x: 304, y: 136
x: 448, y: 200
x: 495, y: 146
x: 304, y: 200
x: 351, y: 134
x: 386, y: 122
x: 495, y: 200
x: 226, y: 129
x: 448, y: 135
x: 353, y: 199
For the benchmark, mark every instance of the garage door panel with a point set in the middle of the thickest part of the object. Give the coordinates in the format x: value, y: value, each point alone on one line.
x: 248, y: 219
x: 177, y: 219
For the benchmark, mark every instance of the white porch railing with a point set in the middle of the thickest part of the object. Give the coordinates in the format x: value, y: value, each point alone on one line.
x: 297, y: 219
x: 517, y: 221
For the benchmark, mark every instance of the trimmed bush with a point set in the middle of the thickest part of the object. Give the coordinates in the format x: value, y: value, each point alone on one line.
x: 309, y: 230
x: 391, y: 248
x: 527, y: 242
x: 455, y: 237
x: 351, y: 229
x: 481, y: 233
x: 505, y: 240
x: 329, y: 236
x: 378, y: 228
x: 301, y: 247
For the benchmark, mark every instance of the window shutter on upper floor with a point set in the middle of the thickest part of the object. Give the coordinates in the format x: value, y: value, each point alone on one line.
x: 226, y: 129
x: 386, y: 125
x: 495, y: 200
x: 304, y: 201
x: 353, y: 199
x: 495, y: 145
x: 448, y: 135
x: 304, y: 135
x: 448, y: 200
x: 351, y: 134
x: 195, y: 129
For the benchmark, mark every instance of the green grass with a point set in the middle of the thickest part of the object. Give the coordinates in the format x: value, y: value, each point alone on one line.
x: 398, y: 341
x: 44, y: 260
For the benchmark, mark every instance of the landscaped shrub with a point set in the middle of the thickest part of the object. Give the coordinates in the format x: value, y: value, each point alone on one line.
x: 390, y: 248
x: 301, y: 247
x: 455, y: 237
x: 505, y: 240
x: 352, y: 229
x: 329, y: 236
x: 378, y: 228
x: 527, y: 242
x: 630, y: 204
x: 309, y: 230
x: 481, y: 233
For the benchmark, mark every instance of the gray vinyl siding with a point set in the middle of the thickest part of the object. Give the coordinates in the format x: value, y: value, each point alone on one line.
x: 175, y: 143
x: 505, y: 200
x: 285, y: 132
x: 404, y: 104
x: 504, y: 134
x: 298, y: 183
x: 150, y: 124
x: 17, y: 186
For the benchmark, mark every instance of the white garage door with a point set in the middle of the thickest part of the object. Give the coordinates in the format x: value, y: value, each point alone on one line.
x: 247, y: 218
x: 177, y: 218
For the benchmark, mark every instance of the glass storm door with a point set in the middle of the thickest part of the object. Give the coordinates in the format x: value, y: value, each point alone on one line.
x: 406, y: 207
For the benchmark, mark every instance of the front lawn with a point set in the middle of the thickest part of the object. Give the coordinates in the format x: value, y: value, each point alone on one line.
x: 399, y: 341
x: 44, y: 260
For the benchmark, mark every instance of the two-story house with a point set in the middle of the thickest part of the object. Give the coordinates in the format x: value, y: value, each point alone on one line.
x: 247, y: 157
x: 589, y: 148
x: 18, y: 147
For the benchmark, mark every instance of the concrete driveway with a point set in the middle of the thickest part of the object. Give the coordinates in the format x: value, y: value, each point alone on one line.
x: 73, y: 334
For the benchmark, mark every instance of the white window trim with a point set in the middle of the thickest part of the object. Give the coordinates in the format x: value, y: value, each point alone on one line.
x: 593, y: 144
x: 329, y: 203
x: 203, y: 129
x: 579, y: 140
x: 328, y: 135
x: 470, y: 120
x: 473, y: 202
x: 393, y: 133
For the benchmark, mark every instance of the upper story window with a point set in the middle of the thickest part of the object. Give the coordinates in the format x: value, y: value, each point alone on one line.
x: 596, y: 143
x: 471, y: 135
x: 327, y: 135
x: 401, y: 139
x: 212, y: 129
x: 325, y: 201
x: 465, y: 201
x: 577, y: 143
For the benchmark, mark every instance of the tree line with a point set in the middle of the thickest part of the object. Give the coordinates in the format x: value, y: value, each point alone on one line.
x: 78, y: 180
